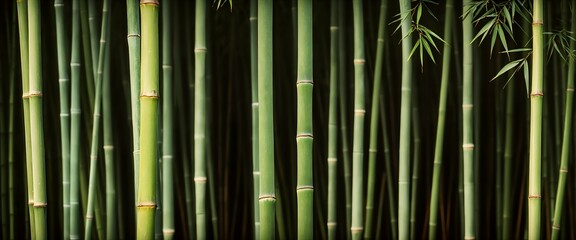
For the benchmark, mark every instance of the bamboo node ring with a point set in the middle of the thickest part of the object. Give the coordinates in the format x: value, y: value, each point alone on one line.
x: 331, y: 224
x: 168, y: 231
x: 199, y: 50
x: 74, y: 64
x: 89, y: 217
x: 200, y: 179
x: 563, y: 170
x: 569, y: 89
x: 359, y: 111
x: 167, y: 156
x: 108, y: 147
x: 255, y: 104
x: 467, y: 106
x: 554, y: 226
x: 372, y: 150
x: 332, y: 159
x: 537, y: 94
x: 64, y: 115
x: 534, y: 196
x: 253, y: 18
x: 133, y: 35
x: 380, y: 40
x: 58, y: 4
x: 356, y: 229
x: 147, y: 205
x: 304, y: 82
x: 359, y: 61
x: 538, y: 23
x: 40, y: 204
x: 62, y: 79
x: 334, y: 28
x: 164, y: 66
x: 151, y: 94
x: 305, y: 187
x: 149, y: 2
x: 35, y: 94
x: 30, y: 202
x: 256, y: 173
x: 267, y: 197
x: 468, y: 146
x: 304, y: 135
x: 469, y: 238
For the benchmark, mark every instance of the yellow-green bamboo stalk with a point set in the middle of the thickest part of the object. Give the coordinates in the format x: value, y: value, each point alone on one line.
x: 149, y: 119
x: 133, y: 15
x: 332, y: 121
x: 36, y: 124
x: 254, y: 96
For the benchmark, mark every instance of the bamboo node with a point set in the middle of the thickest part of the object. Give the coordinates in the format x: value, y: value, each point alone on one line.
x: 433, y: 224
x: 469, y: 238
x: 534, y: 196
x: 35, y: 94
x: 267, y: 197
x: 89, y: 217
x: 569, y: 89
x: 256, y: 173
x: 563, y: 170
x: 200, y: 50
x: 151, y: 94
x: 359, y: 61
x: 407, y: 89
x: 200, y: 179
x: 380, y: 40
x: 30, y: 202
x: 75, y: 111
x: 372, y: 150
x: 62, y: 79
x: 64, y: 115
x: 25, y: 96
x: 74, y: 64
x: 149, y: 2
x: 331, y: 224
x: 164, y: 66
x: 167, y: 156
x: 304, y: 82
x: 304, y: 135
x: 305, y: 187
x: 108, y: 147
x: 468, y: 146
x: 360, y: 112
x: 168, y: 231
x: 467, y: 106
x: 146, y: 205
x: 356, y: 229
x: 255, y: 104
x: 40, y: 204
x: 58, y: 5
x: 537, y: 23
x: 334, y: 28
x: 133, y: 35
x: 556, y: 227
x: 537, y: 94
x: 332, y: 160
x: 253, y: 18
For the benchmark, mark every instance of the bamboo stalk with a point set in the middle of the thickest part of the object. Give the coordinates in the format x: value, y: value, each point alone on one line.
x: 75, y: 124
x: 254, y: 97
x: 566, y: 140
x: 167, y: 129
x: 416, y: 132
x: 133, y: 19
x: 64, y: 81
x: 405, y: 116
x: 200, y: 177
x: 36, y: 125
x: 12, y: 79
x: 332, y: 120
x: 267, y: 197
x: 373, y: 149
x: 508, y: 148
x: 149, y: 119
x: 88, y: 64
x: 304, y: 132
x: 468, y: 125
x: 536, y: 96
x: 109, y: 161
x: 439, y: 144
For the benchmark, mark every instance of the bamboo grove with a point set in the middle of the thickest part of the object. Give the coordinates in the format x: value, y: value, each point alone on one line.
x: 288, y: 119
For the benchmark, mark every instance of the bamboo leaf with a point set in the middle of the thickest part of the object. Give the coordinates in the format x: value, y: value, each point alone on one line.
x: 527, y: 77
x: 507, y: 68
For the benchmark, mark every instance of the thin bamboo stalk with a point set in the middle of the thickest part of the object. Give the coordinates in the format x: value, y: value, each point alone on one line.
x: 36, y: 125
x: 109, y: 161
x: 167, y: 129
x: 416, y: 132
x: 254, y: 97
x: 11, y: 116
x: 267, y: 197
x: 200, y: 177
x: 75, y: 124
x: 536, y: 96
x: 564, y: 157
x: 64, y: 82
x: 304, y: 127
x: 133, y: 19
x: 439, y: 144
x: 332, y: 120
x: 3, y: 165
x: 149, y: 119
x: 94, y: 34
x: 508, y: 148
x: 388, y: 169
x: 90, y: 80
x: 373, y: 149
x: 468, y: 124
x: 405, y: 116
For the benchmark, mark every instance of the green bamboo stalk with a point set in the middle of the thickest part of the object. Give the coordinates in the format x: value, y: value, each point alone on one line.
x: 133, y: 15
x: 304, y: 128
x: 267, y: 197
x: 64, y: 81
x: 373, y: 149
x: 332, y: 120
x: 536, y: 96
x: 90, y: 80
x: 468, y: 124
x: 75, y: 124
x: 254, y: 96
x: 212, y: 186
x: 415, y: 168
x: 109, y: 161
x: 96, y: 122
x: 405, y: 116
x: 36, y: 125
x: 388, y: 169
x: 94, y: 34
x: 3, y: 166
x: 357, y: 226
x: 200, y: 177
x: 149, y: 116
x: 167, y: 129
x: 12, y: 79
x: 508, y: 148
x: 565, y: 154
x: 439, y: 144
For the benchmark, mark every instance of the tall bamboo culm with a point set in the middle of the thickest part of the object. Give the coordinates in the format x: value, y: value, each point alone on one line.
x: 566, y: 139
x: 333, y: 121
x: 304, y: 131
x: 64, y: 81
x: 200, y: 177
x: 357, y: 227
x: 167, y: 121
x: 405, y: 123
x: 75, y: 124
x: 374, y: 114
x: 536, y: 96
x: 267, y: 197
x: 96, y: 122
x: 133, y: 19
x: 468, y: 123
x: 22, y: 7
x: 109, y: 162
x: 254, y: 97
x: 149, y: 115
x: 439, y: 145
x: 36, y: 125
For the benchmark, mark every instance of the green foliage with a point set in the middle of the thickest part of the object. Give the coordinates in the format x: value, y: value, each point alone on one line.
x: 559, y: 42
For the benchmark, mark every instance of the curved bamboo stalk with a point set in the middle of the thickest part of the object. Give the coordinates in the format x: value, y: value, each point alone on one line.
x: 109, y: 162
x: 332, y: 120
x: 254, y: 96
x: 133, y: 15
x: 149, y: 120
x: 439, y: 144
